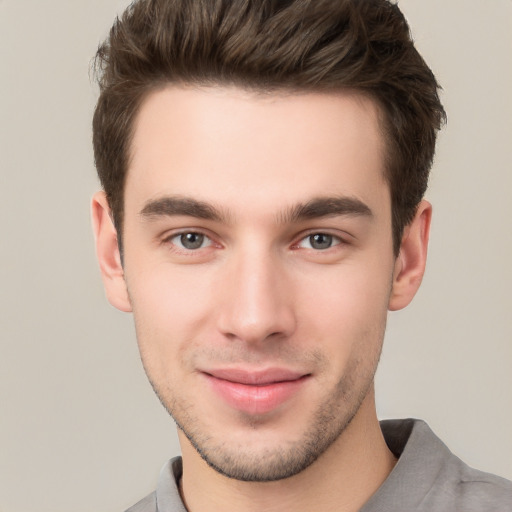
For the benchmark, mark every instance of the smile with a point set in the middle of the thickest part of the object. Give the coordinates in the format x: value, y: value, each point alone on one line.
x: 257, y: 392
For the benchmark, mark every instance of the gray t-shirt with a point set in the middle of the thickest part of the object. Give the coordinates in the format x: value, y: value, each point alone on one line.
x: 427, y: 477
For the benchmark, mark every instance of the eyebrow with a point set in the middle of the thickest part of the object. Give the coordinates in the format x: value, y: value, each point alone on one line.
x: 326, y: 207
x: 170, y: 206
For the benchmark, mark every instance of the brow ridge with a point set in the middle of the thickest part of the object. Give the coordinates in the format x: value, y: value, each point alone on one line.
x: 176, y: 205
x: 315, y: 208
x: 326, y: 207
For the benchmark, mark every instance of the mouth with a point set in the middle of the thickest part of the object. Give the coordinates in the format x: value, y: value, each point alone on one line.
x: 255, y: 392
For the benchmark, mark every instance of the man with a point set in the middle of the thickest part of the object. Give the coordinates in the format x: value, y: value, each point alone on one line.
x: 263, y: 166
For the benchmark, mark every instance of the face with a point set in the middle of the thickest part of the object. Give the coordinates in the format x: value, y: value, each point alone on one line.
x: 259, y: 267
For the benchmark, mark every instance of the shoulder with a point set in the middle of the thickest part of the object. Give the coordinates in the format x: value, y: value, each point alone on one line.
x: 476, y: 491
x: 459, y: 487
x: 147, y: 504
x: 428, y: 476
x: 166, y: 498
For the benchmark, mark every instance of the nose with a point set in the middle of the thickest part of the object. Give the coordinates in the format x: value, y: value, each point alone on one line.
x: 256, y: 299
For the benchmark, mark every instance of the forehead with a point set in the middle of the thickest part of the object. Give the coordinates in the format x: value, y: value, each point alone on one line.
x: 244, y: 149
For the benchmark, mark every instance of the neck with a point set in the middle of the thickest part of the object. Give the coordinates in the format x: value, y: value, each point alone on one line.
x: 342, y: 479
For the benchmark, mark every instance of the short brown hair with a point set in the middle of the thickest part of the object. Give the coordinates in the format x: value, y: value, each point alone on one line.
x: 302, y: 45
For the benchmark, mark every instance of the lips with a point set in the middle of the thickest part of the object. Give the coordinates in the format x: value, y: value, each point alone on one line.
x: 255, y: 392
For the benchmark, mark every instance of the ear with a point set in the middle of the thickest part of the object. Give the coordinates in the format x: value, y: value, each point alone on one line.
x: 107, y: 252
x: 410, y: 262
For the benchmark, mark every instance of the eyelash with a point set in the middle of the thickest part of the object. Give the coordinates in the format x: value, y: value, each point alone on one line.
x: 184, y: 250
x: 334, y: 239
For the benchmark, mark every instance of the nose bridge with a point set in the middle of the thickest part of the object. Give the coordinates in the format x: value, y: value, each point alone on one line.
x: 258, y: 302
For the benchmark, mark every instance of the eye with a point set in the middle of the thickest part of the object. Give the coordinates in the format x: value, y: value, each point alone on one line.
x: 190, y: 241
x: 319, y: 241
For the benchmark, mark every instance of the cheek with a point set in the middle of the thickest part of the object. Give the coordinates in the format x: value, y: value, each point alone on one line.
x: 169, y: 294
x: 346, y: 308
x: 170, y: 309
x: 348, y: 292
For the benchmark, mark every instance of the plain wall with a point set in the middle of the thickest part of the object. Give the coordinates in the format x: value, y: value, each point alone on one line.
x: 80, y: 428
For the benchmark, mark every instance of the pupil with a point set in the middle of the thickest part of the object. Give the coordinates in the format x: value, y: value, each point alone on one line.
x: 320, y: 241
x: 192, y: 240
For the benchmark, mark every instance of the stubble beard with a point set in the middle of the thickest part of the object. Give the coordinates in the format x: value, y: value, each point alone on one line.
x: 328, y: 423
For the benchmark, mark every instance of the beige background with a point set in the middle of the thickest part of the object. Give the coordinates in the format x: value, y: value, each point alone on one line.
x: 80, y: 428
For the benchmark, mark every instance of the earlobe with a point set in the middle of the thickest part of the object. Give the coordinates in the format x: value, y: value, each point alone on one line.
x: 107, y: 252
x: 411, y: 261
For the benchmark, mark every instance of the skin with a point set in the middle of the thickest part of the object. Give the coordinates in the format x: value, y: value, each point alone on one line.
x: 257, y: 235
